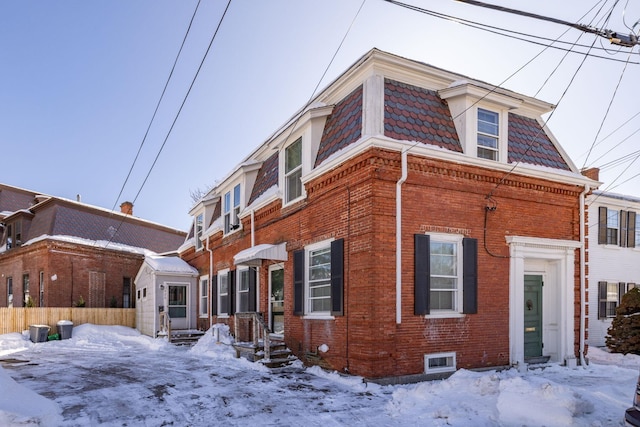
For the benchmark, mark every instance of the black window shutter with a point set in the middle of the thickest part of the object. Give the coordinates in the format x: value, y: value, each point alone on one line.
x: 631, y: 228
x: 469, y: 276
x: 622, y: 289
x: 253, y: 275
x: 231, y: 282
x: 214, y: 295
x: 337, y: 277
x: 422, y: 273
x: 602, y: 225
x: 602, y: 300
x: 624, y: 230
x: 298, y: 282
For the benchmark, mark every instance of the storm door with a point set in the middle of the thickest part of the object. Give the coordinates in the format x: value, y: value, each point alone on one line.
x: 532, y: 316
x: 276, y: 300
x: 178, y: 306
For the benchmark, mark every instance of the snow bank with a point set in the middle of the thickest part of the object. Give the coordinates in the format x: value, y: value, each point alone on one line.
x: 108, y: 338
x: 21, y: 406
x: 11, y: 343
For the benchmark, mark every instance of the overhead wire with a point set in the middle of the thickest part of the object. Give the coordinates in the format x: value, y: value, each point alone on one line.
x: 184, y: 100
x: 501, y: 31
x: 164, y: 90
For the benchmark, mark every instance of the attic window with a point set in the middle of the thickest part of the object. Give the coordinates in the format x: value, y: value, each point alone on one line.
x: 488, y: 134
x: 293, y: 171
x: 14, y: 234
x: 199, y: 227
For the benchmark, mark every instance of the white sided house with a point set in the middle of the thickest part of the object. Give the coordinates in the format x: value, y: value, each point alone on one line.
x: 614, y: 257
x: 165, y: 285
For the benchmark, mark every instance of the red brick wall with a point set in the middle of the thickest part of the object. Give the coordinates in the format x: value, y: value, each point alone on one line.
x: 356, y: 201
x: 66, y: 268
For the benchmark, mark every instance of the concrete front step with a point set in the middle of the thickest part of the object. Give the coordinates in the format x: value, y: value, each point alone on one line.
x: 185, y: 337
x: 280, y: 355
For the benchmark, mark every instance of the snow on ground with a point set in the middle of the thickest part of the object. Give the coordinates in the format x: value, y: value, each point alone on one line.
x: 113, y: 376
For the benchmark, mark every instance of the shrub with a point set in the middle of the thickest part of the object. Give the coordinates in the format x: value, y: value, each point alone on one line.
x: 624, y: 333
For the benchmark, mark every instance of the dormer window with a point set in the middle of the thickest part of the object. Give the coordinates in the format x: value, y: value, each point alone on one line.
x: 232, y: 210
x: 199, y: 229
x: 14, y: 234
x: 293, y: 171
x: 488, y: 134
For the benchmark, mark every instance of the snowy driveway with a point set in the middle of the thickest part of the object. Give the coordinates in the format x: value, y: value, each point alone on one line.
x: 115, y: 377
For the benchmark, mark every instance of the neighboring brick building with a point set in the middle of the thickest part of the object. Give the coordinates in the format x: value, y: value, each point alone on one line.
x: 402, y: 223
x: 55, y: 252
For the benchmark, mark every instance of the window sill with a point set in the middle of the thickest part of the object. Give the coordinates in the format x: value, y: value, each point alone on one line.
x: 222, y: 316
x: 318, y: 317
x: 447, y: 315
x: 203, y: 316
x: 610, y: 246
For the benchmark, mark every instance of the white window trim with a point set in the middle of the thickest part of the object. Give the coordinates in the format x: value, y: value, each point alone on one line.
x: 503, y: 132
x: 221, y: 274
x: 203, y: 313
x: 198, y: 234
x: 428, y: 357
x: 233, y: 209
x: 282, y: 179
x: 239, y: 272
x: 319, y: 315
x: 457, y: 239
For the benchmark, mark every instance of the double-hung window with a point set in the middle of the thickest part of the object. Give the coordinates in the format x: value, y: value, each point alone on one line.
x: 204, y: 296
x: 243, y: 290
x: 9, y: 291
x: 319, y: 283
x: 488, y: 134
x: 223, y: 293
x: 612, y: 227
x: 610, y: 296
x: 618, y: 227
x: 227, y: 212
x: 293, y: 171
x: 232, y: 209
x: 318, y: 279
x: 199, y: 226
x: 445, y: 274
x: 236, y: 205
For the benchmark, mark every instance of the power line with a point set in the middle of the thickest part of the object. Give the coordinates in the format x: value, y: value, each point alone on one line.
x: 157, y: 107
x: 613, y: 96
x: 625, y: 40
x: 501, y: 31
x: 184, y: 100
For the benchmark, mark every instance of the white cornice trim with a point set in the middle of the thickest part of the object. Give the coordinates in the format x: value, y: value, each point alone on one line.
x: 523, y: 169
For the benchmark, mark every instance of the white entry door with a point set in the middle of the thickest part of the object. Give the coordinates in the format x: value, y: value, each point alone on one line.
x: 178, y: 306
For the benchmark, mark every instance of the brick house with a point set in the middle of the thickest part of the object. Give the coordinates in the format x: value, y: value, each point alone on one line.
x: 614, y: 257
x: 401, y: 223
x: 53, y: 251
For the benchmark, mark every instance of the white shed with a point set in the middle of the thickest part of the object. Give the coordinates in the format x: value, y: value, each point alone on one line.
x: 165, y: 284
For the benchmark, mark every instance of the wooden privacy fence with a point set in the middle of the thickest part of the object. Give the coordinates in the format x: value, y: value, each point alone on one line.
x: 19, y: 319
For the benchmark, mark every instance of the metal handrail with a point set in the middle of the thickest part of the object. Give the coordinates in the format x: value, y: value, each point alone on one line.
x: 165, y: 324
x: 259, y: 328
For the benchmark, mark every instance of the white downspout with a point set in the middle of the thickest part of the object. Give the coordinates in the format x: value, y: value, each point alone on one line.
x: 253, y: 238
x: 210, y: 290
x: 582, y: 274
x: 401, y: 181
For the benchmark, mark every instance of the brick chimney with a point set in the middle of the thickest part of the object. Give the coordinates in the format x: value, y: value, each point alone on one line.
x: 126, y: 208
x: 593, y: 173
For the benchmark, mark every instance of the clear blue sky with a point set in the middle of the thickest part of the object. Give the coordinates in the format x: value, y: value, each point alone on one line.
x: 79, y: 81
